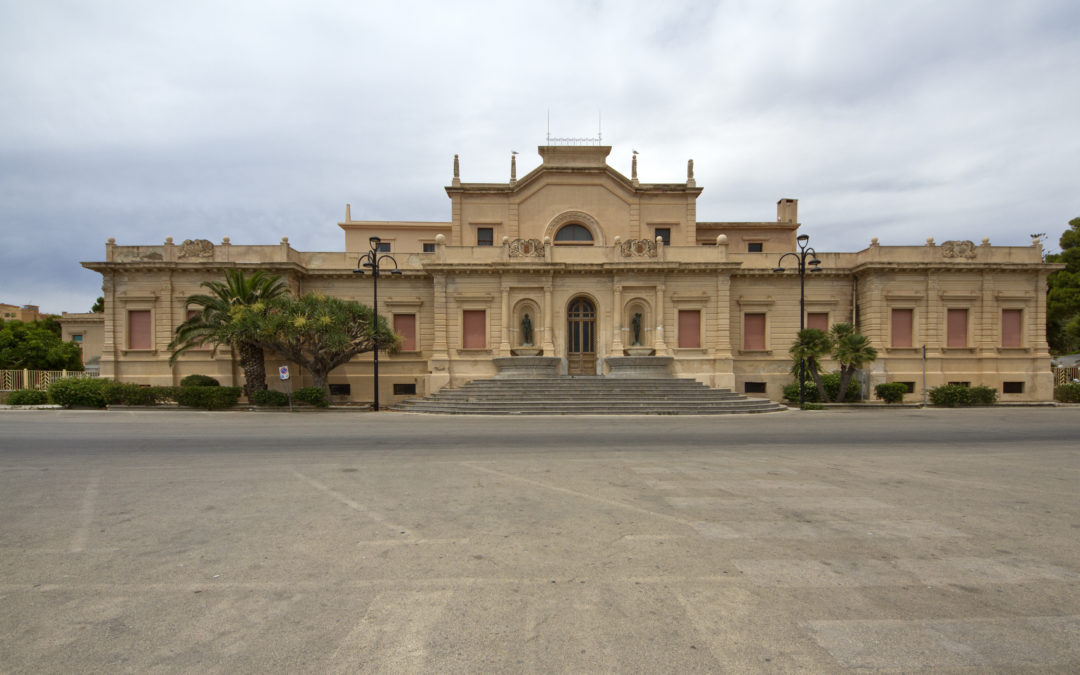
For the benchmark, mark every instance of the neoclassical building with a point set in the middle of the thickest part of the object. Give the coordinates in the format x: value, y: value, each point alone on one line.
x: 605, y: 266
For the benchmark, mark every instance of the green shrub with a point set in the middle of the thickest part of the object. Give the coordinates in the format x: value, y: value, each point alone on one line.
x: 831, y: 382
x: 126, y: 393
x: 28, y: 397
x: 268, y: 397
x: 957, y: 395
x: 1067, y: 393
x: 208, y: 398
x: 199, y: 381
x: 891, y: 392
x: 982, y: 395
x: 315, y: 396
x: 813, y: 406
x: 82, y: 392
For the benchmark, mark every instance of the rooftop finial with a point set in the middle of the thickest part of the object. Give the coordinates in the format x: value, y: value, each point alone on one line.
x: 457, y: 172
x: 513, y: 166
x: 690, y: 173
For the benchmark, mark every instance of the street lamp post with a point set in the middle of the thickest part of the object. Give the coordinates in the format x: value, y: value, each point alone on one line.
x: 373, y: 259
x: 803, y: 253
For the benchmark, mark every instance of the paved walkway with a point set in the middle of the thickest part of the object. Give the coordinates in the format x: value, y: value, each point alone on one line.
x: 887, y: 541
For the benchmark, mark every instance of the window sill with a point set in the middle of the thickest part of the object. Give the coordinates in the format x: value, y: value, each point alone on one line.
x: 149, y: 352
x: 1014, y: 350
x: 474, y: 350
x: 958, y: 350
x: 904, y: 350
x: 756, y: 352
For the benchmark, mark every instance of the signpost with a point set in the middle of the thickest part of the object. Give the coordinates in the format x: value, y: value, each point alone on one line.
x: 283, y: 371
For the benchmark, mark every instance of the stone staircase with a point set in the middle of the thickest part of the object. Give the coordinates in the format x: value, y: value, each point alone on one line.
x: 585, y: 395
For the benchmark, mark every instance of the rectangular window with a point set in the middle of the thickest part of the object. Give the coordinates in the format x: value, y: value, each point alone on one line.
x: 901, y: 327
x: 819, y: 320
x: 340, y: 389
x: 754, y: 332
x: 429, y: 247
x: 753, y: 387
x: 1010, y: 328
x: 382, y: 247
x: 474, y: 329
x: 690, y: 328
x: 910, y: 387
x: 957, y: 327
x: 139, y: 329
x: 405, y: 326
x: 76, y: 338
x: 402, y: 389
x: 1012, y: 387
x: 754, y: 247
x: 664, y: 233
x: 485, y: 236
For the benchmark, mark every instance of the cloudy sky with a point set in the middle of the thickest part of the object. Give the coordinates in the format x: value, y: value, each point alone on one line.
x: 145, y: 119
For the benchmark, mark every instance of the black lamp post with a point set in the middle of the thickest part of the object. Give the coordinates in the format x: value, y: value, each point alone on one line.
x: 373, y: 259
x: 804, y: 252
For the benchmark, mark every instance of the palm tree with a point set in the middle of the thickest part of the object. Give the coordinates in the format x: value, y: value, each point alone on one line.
x: 214, y: 323
x: 811, y: 346
x: 852, y: 351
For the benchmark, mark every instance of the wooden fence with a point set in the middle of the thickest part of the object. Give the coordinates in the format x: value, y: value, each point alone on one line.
x: 10, y: 380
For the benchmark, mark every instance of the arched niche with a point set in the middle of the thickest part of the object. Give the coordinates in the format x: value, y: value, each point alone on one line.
x: 640, y: 306
x: 532, y: 308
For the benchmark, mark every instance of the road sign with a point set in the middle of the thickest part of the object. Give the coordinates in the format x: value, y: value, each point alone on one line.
x: 284, y: 372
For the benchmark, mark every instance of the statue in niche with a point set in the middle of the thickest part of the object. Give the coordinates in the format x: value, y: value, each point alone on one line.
x: 636, y: 323
x: 526, y: 331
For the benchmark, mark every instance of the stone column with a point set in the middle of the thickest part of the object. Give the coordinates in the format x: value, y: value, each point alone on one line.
x: 658, y: 338
x: 507, y: 321
x: 440, y: 355
x: 549, y: 318
x: 616, y: 318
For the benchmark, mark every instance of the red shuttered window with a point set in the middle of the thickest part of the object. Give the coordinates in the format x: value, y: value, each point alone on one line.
x: 819, y: 320
x: 405, y: 326
x: 754, y: 332
x: 473, y: 329
x: 901, y: 327
x: 1010, y: 328
x: 689, y: 328
x: 139, y: 329
x: 958, y: 327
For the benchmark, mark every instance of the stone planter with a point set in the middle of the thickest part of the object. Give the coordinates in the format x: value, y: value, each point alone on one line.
x: 527, y: 366
x: 640, y: 366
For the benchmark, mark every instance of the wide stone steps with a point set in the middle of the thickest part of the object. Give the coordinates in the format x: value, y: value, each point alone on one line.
x: 586, y: 396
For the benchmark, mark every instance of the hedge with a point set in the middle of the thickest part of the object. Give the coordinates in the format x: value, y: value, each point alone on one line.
x: 957, y: 395
x: 315, y: 396
x: 1067, y: 393
x: 28, y: 397
x: 268, y: 397
x: 208, y: 398
x: 891, y: 392
x: 82, y: 392
x: 831, y: 382
x: 125, y: 393
x: 199, y: 381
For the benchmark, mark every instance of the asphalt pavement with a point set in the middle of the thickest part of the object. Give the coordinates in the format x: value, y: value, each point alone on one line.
x: 820, y: 541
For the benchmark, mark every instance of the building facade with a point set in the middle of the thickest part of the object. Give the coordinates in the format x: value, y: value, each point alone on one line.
x: 578, y: 262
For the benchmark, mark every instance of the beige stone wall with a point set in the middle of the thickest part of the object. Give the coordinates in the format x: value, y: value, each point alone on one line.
x: 707, y: 269
x: 89, y: 327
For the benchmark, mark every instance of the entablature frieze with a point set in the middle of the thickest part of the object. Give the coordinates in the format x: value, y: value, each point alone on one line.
x: 762, y: 302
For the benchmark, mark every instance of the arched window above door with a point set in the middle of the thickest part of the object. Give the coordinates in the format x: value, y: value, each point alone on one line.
x: 574, y: 234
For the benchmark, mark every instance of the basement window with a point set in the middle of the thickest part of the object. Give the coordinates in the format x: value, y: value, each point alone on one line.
x: 1012, y: 387
x: 753, y: 387
x: 340, y: 389
x: 402, y: 389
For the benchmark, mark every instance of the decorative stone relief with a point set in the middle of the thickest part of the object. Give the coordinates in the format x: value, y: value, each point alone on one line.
x: 958, y: 249
x: 526, y: 248
x: 196, y: 248
x: 138, y: 253
x: 639, y: 248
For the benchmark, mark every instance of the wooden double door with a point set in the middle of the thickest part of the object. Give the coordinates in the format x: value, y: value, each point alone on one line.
x: 581, y: 337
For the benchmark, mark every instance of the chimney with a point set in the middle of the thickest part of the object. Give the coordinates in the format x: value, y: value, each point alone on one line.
x: 787, y: 211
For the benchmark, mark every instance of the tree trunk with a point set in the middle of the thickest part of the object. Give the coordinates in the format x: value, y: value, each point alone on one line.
x: 319, y: 380
x: 845, y: 378
x: 253, y: 364
x: 822, y: 396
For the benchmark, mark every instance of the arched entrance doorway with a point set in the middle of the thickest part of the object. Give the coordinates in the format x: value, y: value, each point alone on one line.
x: 581, y: 337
